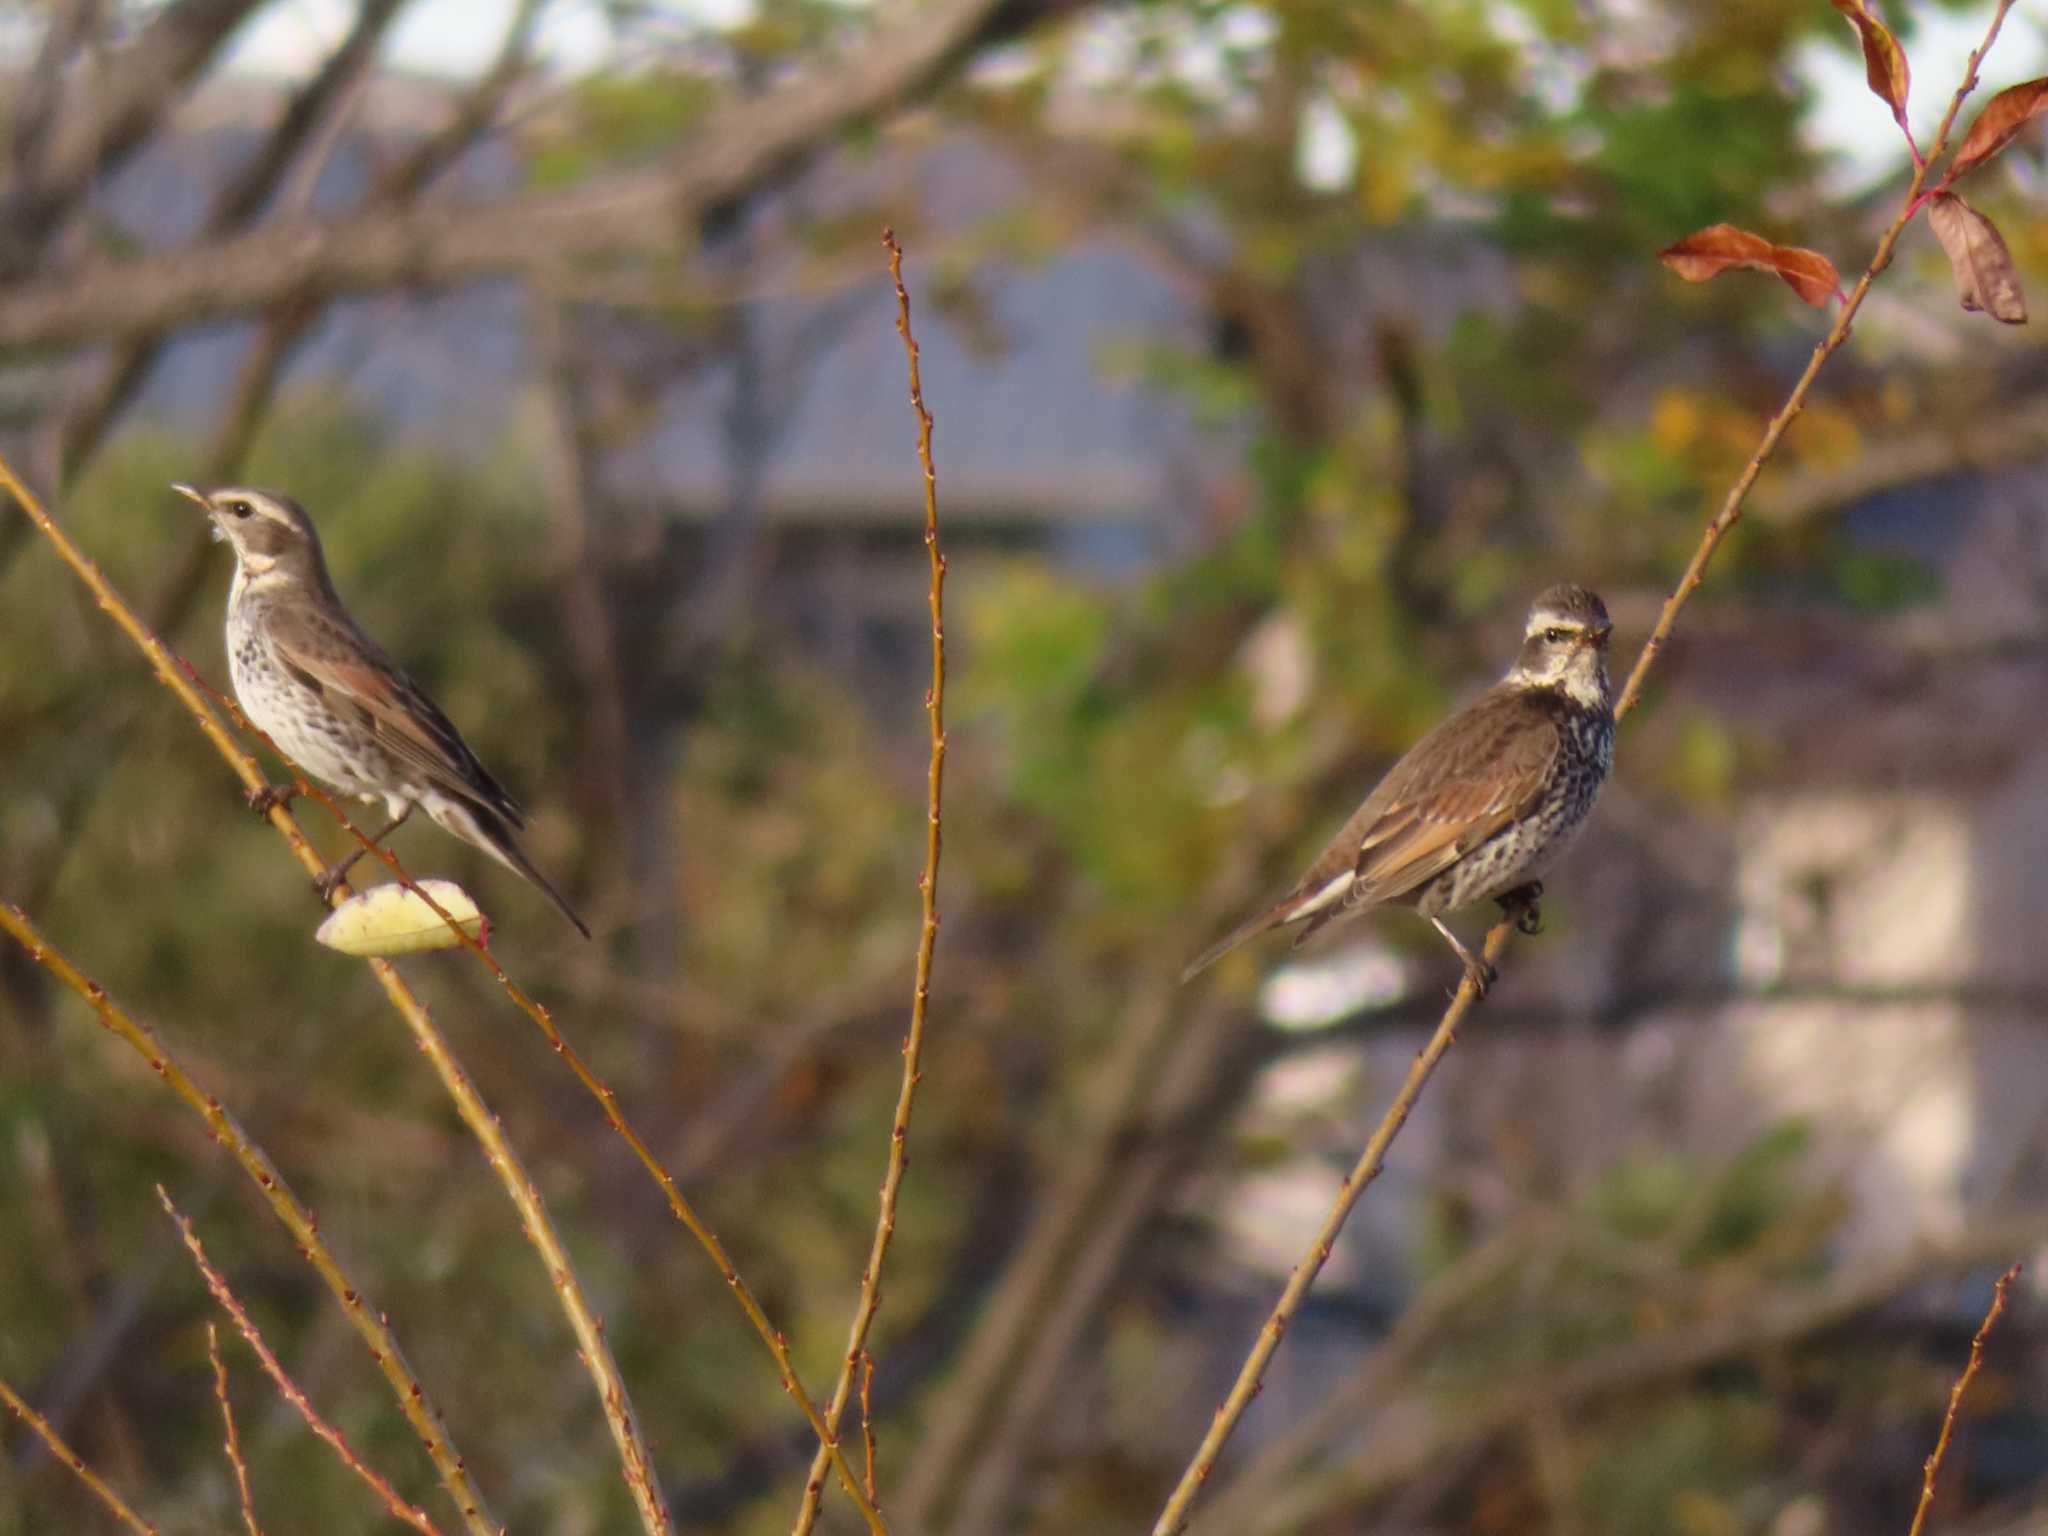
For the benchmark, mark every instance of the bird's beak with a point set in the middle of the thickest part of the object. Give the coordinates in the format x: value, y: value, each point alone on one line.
x: 191, y: 493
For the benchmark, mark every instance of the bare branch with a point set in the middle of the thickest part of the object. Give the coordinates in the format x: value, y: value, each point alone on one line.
x: 184, y: 681
x: 244, y: 196
x: 232, y: 1444
x: 1173, y: 1518
x: 473, y: 115
x: 1113, y: 1176
x: 1932, y: 1471
x: 867, y: 1422
x: 364, y: 1316
x: 928, y: 934
x: 565, y: 451
x: 2014, y: 432
x: 1732, y: 506
x: 599, y: 1090
x: 106, y: 119
x: 1237, y: 1506
x: 632, y: 211
x: 235, y: 206
x: 1251, y: 1377
x: 74, y: 1461
x: 1767, y: 1318
x: 237, y: 1314
x: 37, y: 92
x: 476, y: 1114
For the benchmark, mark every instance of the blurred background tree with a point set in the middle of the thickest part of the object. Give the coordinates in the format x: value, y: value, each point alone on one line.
x: 1279, y: 352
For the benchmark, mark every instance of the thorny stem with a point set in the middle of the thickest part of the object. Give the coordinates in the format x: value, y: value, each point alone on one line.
x: 607, y: 1101
x: 232, y: 1443
x: 239, y: 1316
x: 476, y: 1115
x: 74, y: 1461
x: 928, y: 935
x: 1173, y: 1518
x: 1932, y: 1470
x: 363, y: 1314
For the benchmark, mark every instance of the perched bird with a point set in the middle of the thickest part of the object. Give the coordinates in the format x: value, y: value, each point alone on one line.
x: 330, y: 698
x: 1482, y: 803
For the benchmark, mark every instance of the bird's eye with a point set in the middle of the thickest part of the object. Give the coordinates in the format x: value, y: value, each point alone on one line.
x: 1556, y: 636
x: 239, y: 509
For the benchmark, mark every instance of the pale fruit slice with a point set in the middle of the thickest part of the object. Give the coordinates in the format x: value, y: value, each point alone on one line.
x: 390, y: 919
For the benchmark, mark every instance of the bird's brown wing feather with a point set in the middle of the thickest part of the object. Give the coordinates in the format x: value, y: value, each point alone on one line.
x: 1457, y: 787
x: 1451, y: 791
x: 357, y: 678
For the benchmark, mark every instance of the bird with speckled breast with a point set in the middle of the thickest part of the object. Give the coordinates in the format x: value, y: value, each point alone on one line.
x: 332, y: 700
x: 1480, y: 806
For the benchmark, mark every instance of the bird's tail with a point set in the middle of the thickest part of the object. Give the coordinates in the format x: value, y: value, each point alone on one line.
x: 476, y: 823
x: 1319, y: 902
x: 1272, y: 917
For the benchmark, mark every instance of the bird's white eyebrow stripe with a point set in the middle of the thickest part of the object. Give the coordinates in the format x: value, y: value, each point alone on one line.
x: 231, y: 495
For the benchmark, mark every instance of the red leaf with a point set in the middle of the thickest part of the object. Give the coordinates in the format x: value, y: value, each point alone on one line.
x: 2004, y: 115
x: 1717, y: 248
x: 1884, y: 61
x: 1985, y: 277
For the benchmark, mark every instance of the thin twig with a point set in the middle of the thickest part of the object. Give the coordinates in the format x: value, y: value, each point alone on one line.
x: 1433, y: 1430
x: 185, y: 680
x: 567, y: 452
x: 1174, y: 1516
x: 1731, y: 507
x: 74, y: 1461
x: 1932, y: 1470
x: 297, y: 152
x: 607, y: 1101
x: 287, y: 1388
x: 928, y: 935
x: 1113, y: 1175
x: 742, y: 143
x: 232, y: 1444
x: 363, y: 1314
x: 237, y: 204
x: 867, y: 1418
x: 1518, y: 1247
x: 1151, y: 1142
x: 476, y: 1114
x: 286, y: 323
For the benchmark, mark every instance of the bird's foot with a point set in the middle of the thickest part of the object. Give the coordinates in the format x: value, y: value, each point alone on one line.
x: 266, y: 798
x: 329, y: 878
x: 332, y: 876
x: 1524, y: 905
x: 1480, y: 974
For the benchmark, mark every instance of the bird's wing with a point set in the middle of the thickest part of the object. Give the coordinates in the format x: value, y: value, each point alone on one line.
x: 1457, y: 787
x: 1454, y: 789
x: 357, y: 679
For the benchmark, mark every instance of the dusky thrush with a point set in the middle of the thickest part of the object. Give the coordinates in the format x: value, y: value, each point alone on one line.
x: 331, y: 698
x: 1480, y: 805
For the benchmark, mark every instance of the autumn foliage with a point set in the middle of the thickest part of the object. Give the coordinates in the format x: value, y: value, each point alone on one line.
x: 1986, y: 281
